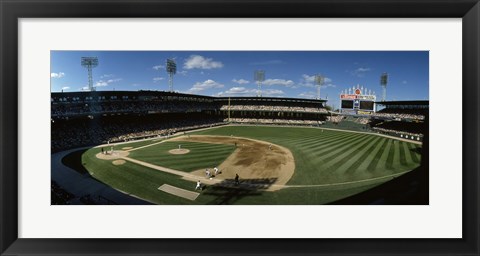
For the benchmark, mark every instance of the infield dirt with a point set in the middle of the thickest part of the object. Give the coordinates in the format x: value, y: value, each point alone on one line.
x: 252, y: 160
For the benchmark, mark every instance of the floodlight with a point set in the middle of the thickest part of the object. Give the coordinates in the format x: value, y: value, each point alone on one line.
x: 89, y: 63
x: 319, y: 81
x: 383, y: 83
x: 171, y: 70
x: 259, y: 77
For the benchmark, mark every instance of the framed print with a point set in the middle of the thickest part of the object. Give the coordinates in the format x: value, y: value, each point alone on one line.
x: 220, y: 127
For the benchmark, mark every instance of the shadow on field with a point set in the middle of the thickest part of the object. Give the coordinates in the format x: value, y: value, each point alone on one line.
x: 227, y: 192
x: 74, y: 161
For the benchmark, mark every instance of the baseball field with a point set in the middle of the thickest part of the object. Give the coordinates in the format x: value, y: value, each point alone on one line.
x: 275, y: 165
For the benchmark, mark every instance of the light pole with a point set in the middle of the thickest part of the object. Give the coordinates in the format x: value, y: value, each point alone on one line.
x: 89, y: 63
x: 171, y: 70
x: 259, y: 77
x: 383, y: 83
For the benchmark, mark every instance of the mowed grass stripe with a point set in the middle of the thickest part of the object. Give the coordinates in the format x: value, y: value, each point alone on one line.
x: 327, y: 141
x: 391, y: 155
x: 339, y: 159
x: 332, y: 147
x: 312, y: 142
x: 343, y: 149
x: 326, y: 152
x: 403, y: 158
x: 412, y: 149
x: 371, y: 156
x: 373, y: 164
x: 396, y: 156
x: 360, y: 158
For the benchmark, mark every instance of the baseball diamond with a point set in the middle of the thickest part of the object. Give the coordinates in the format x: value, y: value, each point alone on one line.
x: 329, y: 164
x: 242, y: 146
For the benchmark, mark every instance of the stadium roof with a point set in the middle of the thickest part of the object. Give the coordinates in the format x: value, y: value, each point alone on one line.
x: 164, y: 93
x: 403, y: 103
x: 253, y: 98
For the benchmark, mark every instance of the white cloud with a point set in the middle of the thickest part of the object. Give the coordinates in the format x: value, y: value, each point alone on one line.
x: 183, y: 72
x: 202, y: 86
x: 362, y: 69
x: 308, y: 95
x: 238, y: 91
x: 106, y: 76
x: 242, y: 91
x: 360, y: 72
x: 158, y: 67
x: 282, y: 82
x: 200, y: 62
x: 157, y: 79
x: 240, y: 81
x: 65, y: 88
x: 57, y: 75
x: 272, y: 92
x: 309, y: 81
x: 101, y: 83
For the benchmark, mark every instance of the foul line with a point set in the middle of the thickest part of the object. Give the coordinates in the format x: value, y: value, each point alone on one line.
x: 146, y: 146
x: 344, y: 183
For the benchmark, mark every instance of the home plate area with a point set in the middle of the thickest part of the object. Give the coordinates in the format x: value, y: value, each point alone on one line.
x: 179, y: 192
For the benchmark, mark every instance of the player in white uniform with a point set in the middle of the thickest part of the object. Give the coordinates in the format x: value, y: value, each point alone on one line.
x: 199, y: 185
x: 216, y: 171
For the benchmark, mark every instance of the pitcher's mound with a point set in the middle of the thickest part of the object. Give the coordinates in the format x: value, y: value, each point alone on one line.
x: 118, y: 162
x: 177, y: 151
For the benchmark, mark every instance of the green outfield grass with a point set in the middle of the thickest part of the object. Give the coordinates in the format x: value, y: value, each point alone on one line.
x: 330, y: 165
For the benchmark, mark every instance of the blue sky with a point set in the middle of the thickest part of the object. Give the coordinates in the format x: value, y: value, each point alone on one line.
x: 230, y: 73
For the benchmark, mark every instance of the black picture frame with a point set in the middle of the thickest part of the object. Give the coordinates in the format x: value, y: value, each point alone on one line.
x: 11, y: 11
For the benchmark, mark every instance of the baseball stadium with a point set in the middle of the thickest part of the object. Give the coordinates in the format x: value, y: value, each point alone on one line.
x: 151, y: 147
x: 144, y: 147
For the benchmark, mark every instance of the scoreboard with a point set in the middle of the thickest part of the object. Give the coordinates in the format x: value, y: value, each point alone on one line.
x: 357, y: 100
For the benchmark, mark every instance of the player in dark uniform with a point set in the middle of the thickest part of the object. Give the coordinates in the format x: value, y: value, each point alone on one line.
x: 236, y: 179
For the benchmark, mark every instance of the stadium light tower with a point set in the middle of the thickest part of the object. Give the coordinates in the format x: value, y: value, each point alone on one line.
x: 383, y: 83
x: 89, y: 63
x: 319, y: 81
x: 259, y: 77
x: 171, y: 70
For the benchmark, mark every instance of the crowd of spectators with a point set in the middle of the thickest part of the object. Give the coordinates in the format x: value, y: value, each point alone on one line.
x: 396, y: 116
x: 362, y: 120
x: 273, y: 108
x: 59, y: 196
x: 109, y: 107
x: 399, y: 114
x: 84, y: 132
x: 407, y: 128
x: 274, y: 121
x: 335, y: 119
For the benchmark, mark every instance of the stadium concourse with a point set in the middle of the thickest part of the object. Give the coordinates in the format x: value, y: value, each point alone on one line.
x: 86, y: 119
